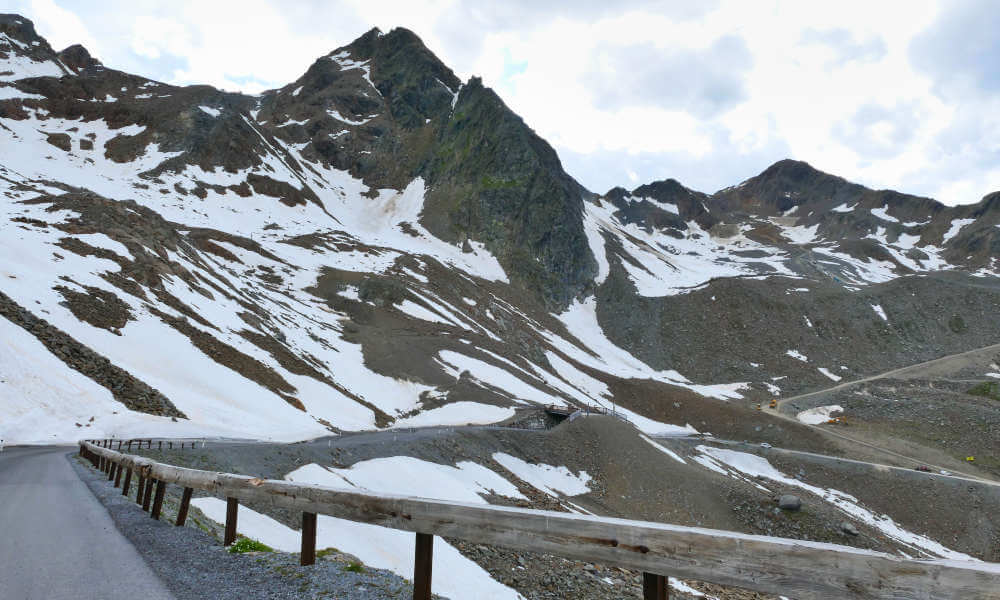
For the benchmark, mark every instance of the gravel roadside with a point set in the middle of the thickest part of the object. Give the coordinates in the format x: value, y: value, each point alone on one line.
x: 194, y: 565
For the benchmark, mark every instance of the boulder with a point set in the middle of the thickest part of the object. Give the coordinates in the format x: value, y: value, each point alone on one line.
x: 789, y: 502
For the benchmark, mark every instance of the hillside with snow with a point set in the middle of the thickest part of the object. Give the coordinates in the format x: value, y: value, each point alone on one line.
x: 379, y: 244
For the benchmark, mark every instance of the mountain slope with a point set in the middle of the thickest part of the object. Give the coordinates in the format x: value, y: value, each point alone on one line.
x: 380, y: 244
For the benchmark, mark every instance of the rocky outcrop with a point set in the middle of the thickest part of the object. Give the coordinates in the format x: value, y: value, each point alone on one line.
x: 133, y: 393
x: 492, y: 179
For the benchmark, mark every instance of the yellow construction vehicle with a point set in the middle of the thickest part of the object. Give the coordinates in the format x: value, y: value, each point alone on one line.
x: 774, y: 403
x: 970, y: 459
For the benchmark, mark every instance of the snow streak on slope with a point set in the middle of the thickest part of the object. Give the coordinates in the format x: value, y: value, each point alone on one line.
x: 408, y: 476
x: 662, y: 265
x: 754, y: 466
x: 42, y: 401
x: 551, y: 480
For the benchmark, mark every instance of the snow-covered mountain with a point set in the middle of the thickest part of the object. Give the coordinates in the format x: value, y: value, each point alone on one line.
x: 379, y: 244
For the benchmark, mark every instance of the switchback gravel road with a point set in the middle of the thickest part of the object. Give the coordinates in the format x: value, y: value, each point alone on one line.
x: 57, y: 541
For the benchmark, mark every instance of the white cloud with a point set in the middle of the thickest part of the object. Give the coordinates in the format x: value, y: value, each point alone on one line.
x: 59, y: 25
x: 709, y: 93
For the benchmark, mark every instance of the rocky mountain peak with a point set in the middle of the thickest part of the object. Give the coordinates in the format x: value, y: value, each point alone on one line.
x: 77, y: 57
x: 661, y: 204
x: 783, y: 186
x: 24, y: 53
x: 20, y: 29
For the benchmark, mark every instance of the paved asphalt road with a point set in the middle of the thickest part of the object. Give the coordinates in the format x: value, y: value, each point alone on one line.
x: 57, y: 541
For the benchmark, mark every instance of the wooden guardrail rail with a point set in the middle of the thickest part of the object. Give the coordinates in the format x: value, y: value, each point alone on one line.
x: 794, y: 568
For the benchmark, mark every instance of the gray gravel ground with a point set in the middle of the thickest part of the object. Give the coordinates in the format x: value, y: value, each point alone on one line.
x: 194, y: 565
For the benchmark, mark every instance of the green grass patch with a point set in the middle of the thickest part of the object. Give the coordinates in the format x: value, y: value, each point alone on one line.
x: 987, y: 389
x: 325, y: 552
x: 245, y: 544
x: 355, y: 567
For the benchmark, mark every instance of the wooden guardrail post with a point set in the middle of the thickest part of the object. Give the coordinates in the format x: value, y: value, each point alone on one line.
x: 118, y: 475
x: 422, y: 566
x: 111, y: 470
x: 139, y: 487
x: 655, y: 587
x: 159, y: 445
x: 161, y: 487
x: 232, y: 511
x: 119, y: 445
x: 128, y: 481
x: 182, y: 512
x: 147, y: 494
x: 308, y: 554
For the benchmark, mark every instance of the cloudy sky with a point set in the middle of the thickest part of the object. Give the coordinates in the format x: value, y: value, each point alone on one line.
x: 899, y: 95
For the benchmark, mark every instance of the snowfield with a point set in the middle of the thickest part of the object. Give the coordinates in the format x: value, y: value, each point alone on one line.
x: 820, y: 414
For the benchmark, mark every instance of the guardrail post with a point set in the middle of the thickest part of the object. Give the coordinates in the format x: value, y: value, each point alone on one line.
x: 655, y: 587
x: 139, y: 487
x: 232, y: 511
x: 111, y: 470
x: 149, y: 444
x: 159, y: 445
x: 161, y: 487
x: 422, y: 566
x: 119, y: 445
x: 182, y: 512
x: 308, y: 554
x: 147, y: 494
x: 127, y: 483
x: 118, y: 475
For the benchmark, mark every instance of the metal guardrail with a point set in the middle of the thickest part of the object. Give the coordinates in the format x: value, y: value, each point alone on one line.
x: 798, y: 569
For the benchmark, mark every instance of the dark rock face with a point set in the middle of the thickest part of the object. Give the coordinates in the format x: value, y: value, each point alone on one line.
x: 493, y: 180
x: 78, y: 58
x: 782, y: 186
x: 691, y: 204
x: 414, y: 83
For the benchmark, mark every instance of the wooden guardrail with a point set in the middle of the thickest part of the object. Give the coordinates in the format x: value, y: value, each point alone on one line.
x: 794, y: 568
